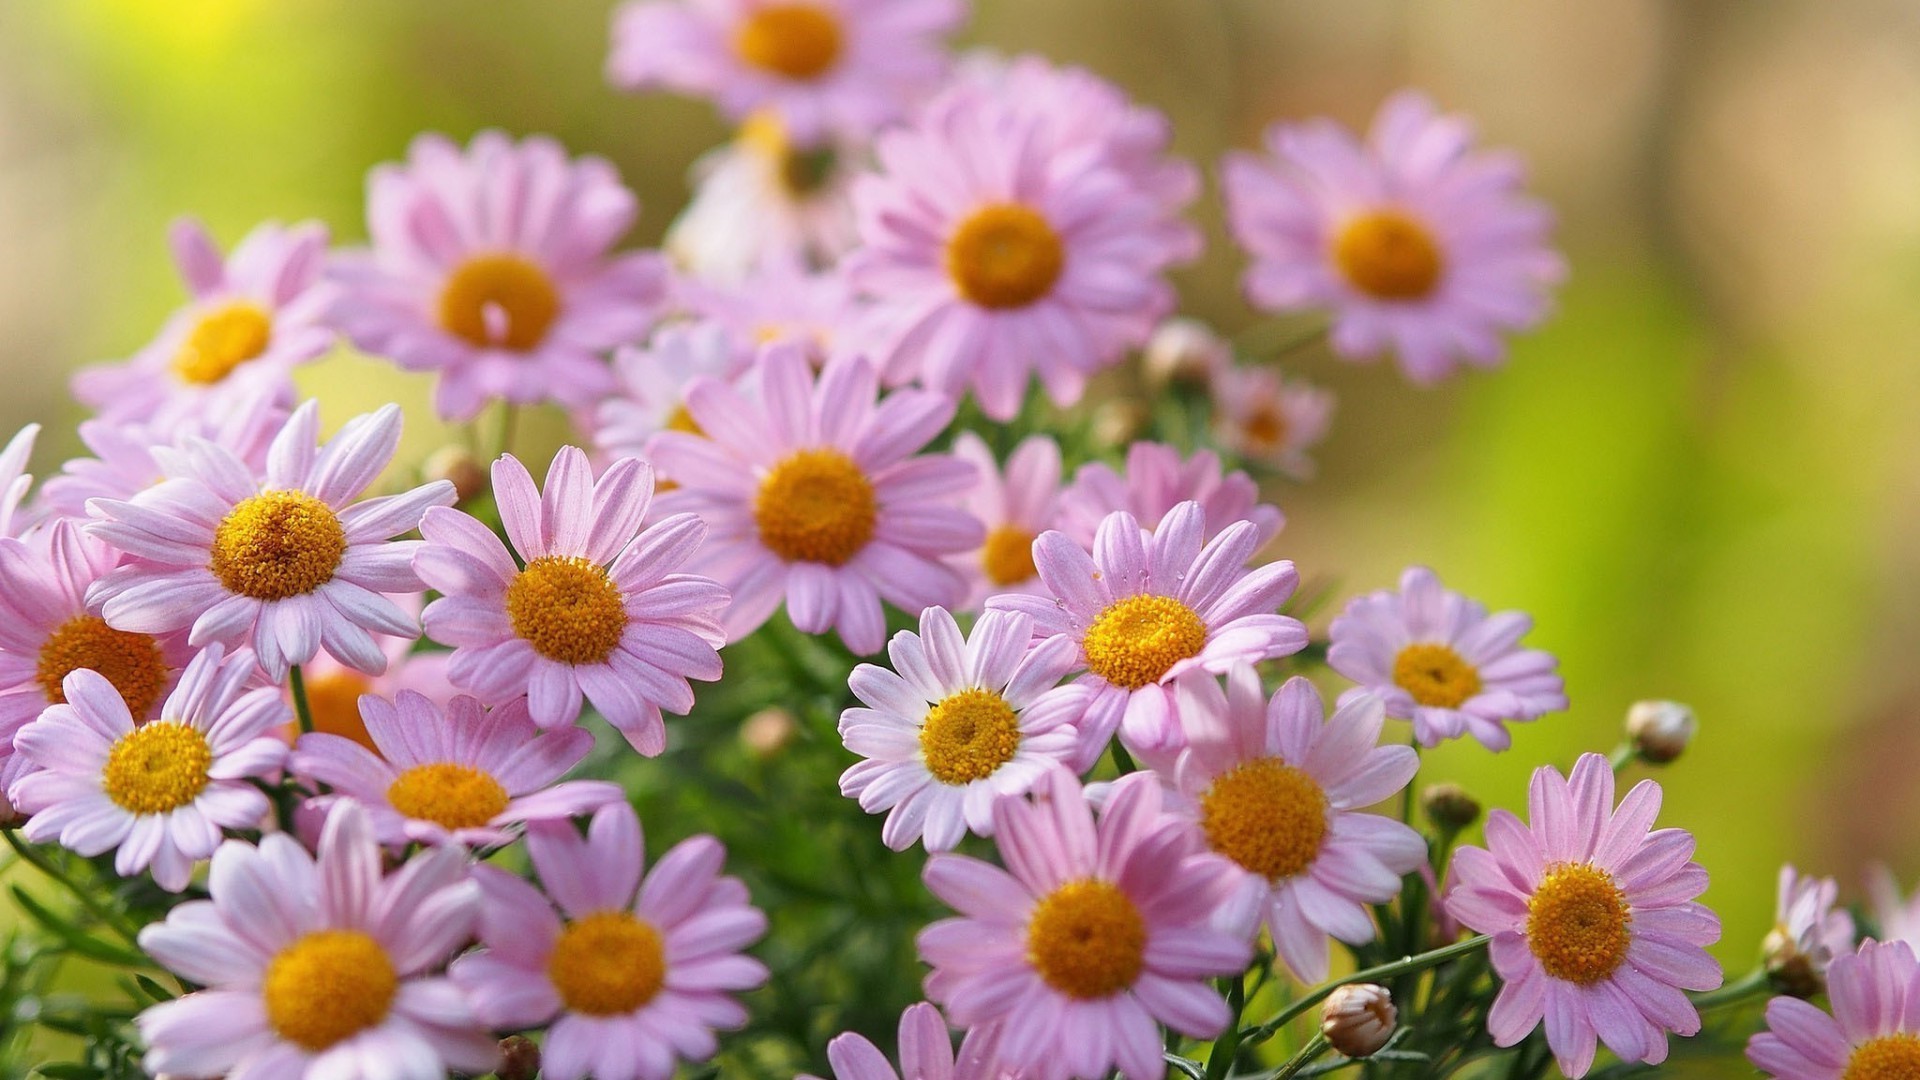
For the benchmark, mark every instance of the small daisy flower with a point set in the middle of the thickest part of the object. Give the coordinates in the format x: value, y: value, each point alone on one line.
x: 276, y: 558
x: 1145, y: 608
x: 824, y: 67
x: 761, y: 200
x: 1895, y: 915
x: 817, y: 495
x: 15, y: 481
x: 123, y: 464
x: 780, y: 301
x: 632, y: 974
x: 319, y: 967
x: 926, y: 1053
x: 1277, y: 787
x: 1808, y: 932
x: 1156, y: 479
x: 1265, y: 418
x: 159, y: 791
x: 1439, y: 660
x: 1016, y: 506
x: 1872, y: 1034
x: 1094, y: 935
x: 958, y: 723
x: 597, y: 611
x: 491, y: 267
x: 254, y: 316
x: 1594, y: 923
x: 1417, y: 243
x: 653, y: 380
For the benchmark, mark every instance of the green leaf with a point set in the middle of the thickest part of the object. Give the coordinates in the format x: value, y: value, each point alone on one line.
x: 76, y: 939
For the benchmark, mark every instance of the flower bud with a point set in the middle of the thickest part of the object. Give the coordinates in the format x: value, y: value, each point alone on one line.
x: 519, y: 1058
x: 1660, y: 730
x: 1790, y: 970
x: 458, y: 465
x: 1118, y: 422
x: 768, y: 731
x: 1358, y: 1019
x: 1187, y: 351
x: 1449, y: 806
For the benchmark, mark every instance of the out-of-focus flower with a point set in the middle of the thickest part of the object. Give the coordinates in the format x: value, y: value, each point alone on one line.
x: 1263, y: 417
x: 816, y: 495
x: 759, y: 201
x: 768, y: 731
x: 1449, y: 806
x: 1358, y: 1019
x: 632, y: 973
x: 1872, y: 1034
x: 124, y: 465
x: 1417, y: 243
x: 1015, y: 506
x: 1895, y: 915
x: 1187, y: 351
x: 1441, y: 661
x: 1808, y: 932
x: 653, y: 379
x: 490, y: 268
x: 780, y: 300
x: 277, y: 558
x: 598, y: 612
x: 15, y: 481
x: 1661, y: 730
x: 926, y: 1053
x: 1594, y: 922
x: 458, y: 466
x: 1157, y: 478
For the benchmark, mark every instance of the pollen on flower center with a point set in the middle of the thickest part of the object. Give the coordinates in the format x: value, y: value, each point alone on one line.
x: 449, y: 795
x: 968, y: 736
x: 499, y: 301
x: 1435, y: 675
x: 130, y: 661
x: 222, y: 340
x: 1578, y: 923
x: 1388, y: 255
x: 1135, y: 641
x: 567, y: 608
x: 334, y: 700
x: 328, y: 986
x: 799, y: 41
x: 277, y: 544
x: 157, y: 767
x: 1005, y: 256
x: 1087, y: 939
x: 1888, y: 1057
x: 1266, y: 815
x: 608, y: 964
x: 1008, y: 556
x: 816, y: 506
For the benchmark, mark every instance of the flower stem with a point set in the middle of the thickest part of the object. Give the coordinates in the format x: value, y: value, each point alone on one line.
x: 1621, y: 757
x: 1121, y: 759
x: 1314, y: 1048
x: 1220, y: 1061
x: 1377, y: 974
x: 298, y: 684
x: 87, y: 900
x: 1746, y: 986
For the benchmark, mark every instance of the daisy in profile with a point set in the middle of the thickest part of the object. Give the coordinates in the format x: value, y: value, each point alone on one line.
x: 1016, y: 506
x: 15, y: 481
x: 1416, y: 243
x: 490, y: 267
x: 281, y: 559
x: 1594, y: 922
x: 459, y: 774
x: 1873, y: 1032
x: 958, y: 723
x: 123, y: 463
x: 632, y: 973
x: 1157, y: 478
x: 817, y: 495
x: 1439, y: 660
x: 781, y: 300
x: 653, y: 379
x: 254, y: 316
x: 926, y: 1053
x: 761, y: 200
x: 159, y: 791
x: 1094, y: 926
x: 1808, y: 932
x: 319, y: 967
x: 1145, y: 608
x: 823, y: 67
x: 1265, y: 418
x: 597, y: 611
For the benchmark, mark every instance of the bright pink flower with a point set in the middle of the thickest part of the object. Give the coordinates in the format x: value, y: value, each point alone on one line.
x: 926, y: 1053
x: 1156, y: 479
x: 123, y: 464
x: 653, y: 379
x: 1265, y: 418
x: 1873, y: 1033
x: 1016, y: 507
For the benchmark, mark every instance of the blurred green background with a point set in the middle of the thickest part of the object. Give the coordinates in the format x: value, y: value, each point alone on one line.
x: 1701, y: 478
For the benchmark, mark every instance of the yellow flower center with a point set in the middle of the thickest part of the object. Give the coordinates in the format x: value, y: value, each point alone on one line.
x: 1388, y: 255
x: 130, y: 661
x: 1266, y: 815
x: 968, y: 736
x: 608, y: 964
x: 449, y: 795
x: 797, y: 41
x: 1435, y: 675
x: 1578, y: 923
x: 334, y: 700
x: 222, y: 340
x: 1005, y: 256
x: 1135, y: 641
x: 157, y: 767
x: 816, y: 506
x: 277, y: 544
x: 1265, y: 426
x: 1889, y: 1057
x: 499, y: 301
x: 1008, y: 556
x: 328, y: 986
x: 802, y: 171
x: 1087, y: 939
x: 682, y: 420
x: 568, y: 609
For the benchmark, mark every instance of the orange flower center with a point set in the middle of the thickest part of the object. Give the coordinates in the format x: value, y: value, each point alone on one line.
x: 796, y: 41
x: 816, y: 506
x: 1435, y: 675
x: 568, y: 609
x: 1087, y: 939
x: 1388, y: 255
x: 608, y: 964
x: 968, y: 736
x: 1266, y: 815
x: 222, y: 340
x: 1005, y: 256
x: 1135, y: 641
x: 499, y: 301
x: 130, y: 661
x: 1578, y: 923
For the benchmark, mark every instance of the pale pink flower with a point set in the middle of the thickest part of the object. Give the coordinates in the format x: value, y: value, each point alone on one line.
x: 15, y: 482
x: 1016, y: 506
x: 653, y: 379
x: 1808, y: 931
x: 926, y: 1053
x: 1897, y: 916
x: 1157, y: 478
x: 779, y: 301
x: 762, y: 200
x: 1263, y: 417
x: 123, y: 464
x: 334, y: 690
x: 1872, y: 1034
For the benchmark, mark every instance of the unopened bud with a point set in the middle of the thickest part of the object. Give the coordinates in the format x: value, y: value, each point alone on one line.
x: 519, y: 1058
x: 1449, y: 806
x: 1117, y: 422
x: 1358, y: 1019
x: 1790, y: 970
x: 1187, y: 351
x: 768, y: 731
x: 458, y: 465
x: 1660, y: 730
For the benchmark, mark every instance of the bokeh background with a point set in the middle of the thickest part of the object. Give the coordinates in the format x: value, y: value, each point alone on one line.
x: 1702, y: 478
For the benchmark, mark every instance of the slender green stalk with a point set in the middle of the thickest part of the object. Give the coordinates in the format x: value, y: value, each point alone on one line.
x: 100, y: 911
x: 1122, y: 760
x: 1753, y: 982
x: 1220, y: 1061
x: 1314, y: 1048
x: 509, y: 416
x: 1379, y: 973
x: 298, y: 684
x: 1622, y: 756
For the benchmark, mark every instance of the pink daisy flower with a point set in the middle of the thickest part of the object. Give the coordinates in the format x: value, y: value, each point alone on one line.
x: 1808, y: 932
x: 759, y: 201
x: 780, y: 301
x: 277, y: 557
x: 319, y: 967
x: 597, y: 612
x: 15, y: 481
x: 490, y: 267
x: 816, y: 494
x: 632, y: 974
x: 1872, y: 1034
x: 1439, y: 660
x: 123, y: 464
x: 459, y: 774
x: 1594, y: 923
x: 926, y: 1053
x: 1416, y: 242
x: 1897, y: 916
x: 1093, y: 936
x: 960, y: 722
x: 1157, y: 478
x: 1278, y: 787
x: 1016, y: 506
x: 159, y: 791
x: 254, y: 317
x: 1265, y: 418
x: 1145, y: 608
x: 823, y: 67
x: 653, y: 381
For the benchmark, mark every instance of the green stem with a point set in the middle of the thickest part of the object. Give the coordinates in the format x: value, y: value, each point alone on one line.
x: 1377, y: 974
x: 87, y: 900
x: 298, y: 684
x: 1314, y: 1048
x: 1123, y: 760
x: 1621, y: 757
x: 1220, y: 1061
x: 509, y: 414
x: 1746, y: 986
